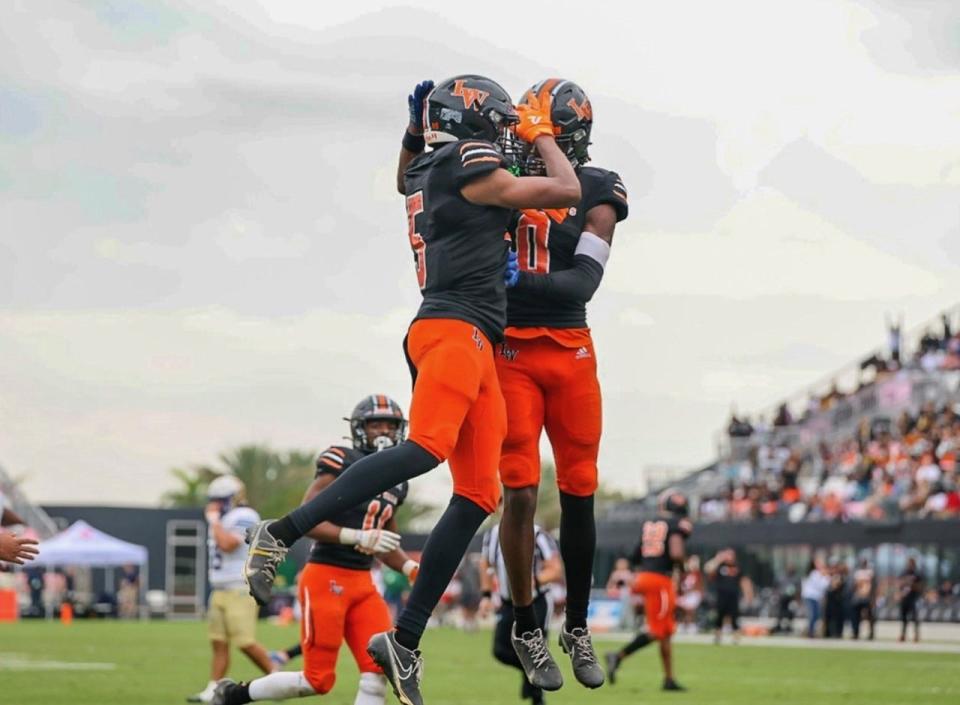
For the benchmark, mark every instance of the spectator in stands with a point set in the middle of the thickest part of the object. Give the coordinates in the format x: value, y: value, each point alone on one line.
x: 783, y: 417
x: 894, y: 338
x: 813, y: 589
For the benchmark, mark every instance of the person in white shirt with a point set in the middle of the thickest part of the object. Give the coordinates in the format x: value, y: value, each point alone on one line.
x: 232, y: 613
x: 813, y: 589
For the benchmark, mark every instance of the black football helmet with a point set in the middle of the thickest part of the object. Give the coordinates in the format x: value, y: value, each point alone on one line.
x: 572, y: 116
x: 469, y: 107
x: 376, y: 407
x: 673, y: 501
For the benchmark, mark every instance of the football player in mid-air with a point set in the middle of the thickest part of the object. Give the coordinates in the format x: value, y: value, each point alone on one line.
x: 548, y: 372
x: 459, y: 199
x: 339, y: 600
x: 662, y: 548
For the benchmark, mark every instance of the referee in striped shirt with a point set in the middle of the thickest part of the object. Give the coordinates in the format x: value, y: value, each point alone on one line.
x: 547, y: 569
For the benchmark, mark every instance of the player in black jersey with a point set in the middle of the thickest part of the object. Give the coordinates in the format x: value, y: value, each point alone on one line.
x: 459, y: 199
x: 548, y: 372
x: 339, y: 600
x: 662, y: 548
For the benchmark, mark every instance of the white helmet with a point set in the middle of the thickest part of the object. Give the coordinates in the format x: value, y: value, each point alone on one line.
x: 226, y: 487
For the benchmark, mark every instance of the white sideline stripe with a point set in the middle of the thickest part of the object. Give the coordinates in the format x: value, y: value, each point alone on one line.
x: 19, y: 662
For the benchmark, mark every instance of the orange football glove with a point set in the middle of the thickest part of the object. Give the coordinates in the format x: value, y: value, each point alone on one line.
x: 533, y: 124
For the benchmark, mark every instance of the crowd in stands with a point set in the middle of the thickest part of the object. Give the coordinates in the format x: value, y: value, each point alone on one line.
x: 883, y: 468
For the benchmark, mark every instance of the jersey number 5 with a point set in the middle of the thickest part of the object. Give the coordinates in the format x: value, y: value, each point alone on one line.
x: 533, y: 242
x: 415, y: 208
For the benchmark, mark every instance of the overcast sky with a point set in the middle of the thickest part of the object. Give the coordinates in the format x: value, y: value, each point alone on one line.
x: 201, y: 244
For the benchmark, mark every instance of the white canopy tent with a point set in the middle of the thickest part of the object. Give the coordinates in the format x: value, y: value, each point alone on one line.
x: 83, y: 545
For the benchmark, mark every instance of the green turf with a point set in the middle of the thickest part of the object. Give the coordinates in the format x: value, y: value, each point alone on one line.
x: 159, y: 663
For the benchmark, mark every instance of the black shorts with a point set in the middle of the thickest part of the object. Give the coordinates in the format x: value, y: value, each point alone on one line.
x: 728, y: 605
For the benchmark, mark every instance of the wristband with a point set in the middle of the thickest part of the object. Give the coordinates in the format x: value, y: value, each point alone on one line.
x: 487, y: 594
x: 349, y: 537
x: 409, y: 566
x: 413, y: 143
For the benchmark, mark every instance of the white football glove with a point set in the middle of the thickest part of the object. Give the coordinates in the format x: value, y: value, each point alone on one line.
x: 370, y: 540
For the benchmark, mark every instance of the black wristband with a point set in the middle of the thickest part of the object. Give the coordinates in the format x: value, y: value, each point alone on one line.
x: 487, y: 594
x: 413, y: 143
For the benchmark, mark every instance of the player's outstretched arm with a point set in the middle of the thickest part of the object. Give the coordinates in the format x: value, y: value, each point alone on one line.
x: 580, y: 282
x: 559, y: 189
x: 413, y: 143
x: 364, y: 540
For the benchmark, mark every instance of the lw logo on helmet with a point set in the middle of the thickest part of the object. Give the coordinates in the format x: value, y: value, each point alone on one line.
x: 469, y: 95
x: 584, y: 112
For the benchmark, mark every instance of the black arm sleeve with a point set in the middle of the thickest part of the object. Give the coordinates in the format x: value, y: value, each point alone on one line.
x: 579, y: 283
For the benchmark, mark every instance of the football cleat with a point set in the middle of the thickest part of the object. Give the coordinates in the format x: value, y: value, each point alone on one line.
x: 401, y: 666
x: 578, y: 644
x: 538, y: 664
x: 670, y: 684
x: 221, y: 694
x: 613, y: 663
x: 264, y: 556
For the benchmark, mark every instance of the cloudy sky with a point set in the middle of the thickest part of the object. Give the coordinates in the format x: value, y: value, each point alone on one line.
x: 201, y: 246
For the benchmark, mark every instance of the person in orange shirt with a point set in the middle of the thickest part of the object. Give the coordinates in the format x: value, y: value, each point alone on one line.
x: 547, y: 367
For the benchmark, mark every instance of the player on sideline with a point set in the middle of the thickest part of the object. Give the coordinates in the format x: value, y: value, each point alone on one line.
x: 662, y: 546
x: 459, y: 199
x: 339, y: 600
x: 548, y: 372
x: 232, y: 615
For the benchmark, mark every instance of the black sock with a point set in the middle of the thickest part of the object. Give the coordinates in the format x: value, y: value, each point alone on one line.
x: 578, y: 541
x: 639, y: 641
x: 294, y: 651
x: 444, y: 550
x: 239, y: 694
x: 364, y: 479
x: 525, y: 618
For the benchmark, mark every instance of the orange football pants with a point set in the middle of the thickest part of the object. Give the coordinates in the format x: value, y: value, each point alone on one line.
x: 659, y: 602
x: 552, y: 385
x: 457, y: 412
x: 339, y: 604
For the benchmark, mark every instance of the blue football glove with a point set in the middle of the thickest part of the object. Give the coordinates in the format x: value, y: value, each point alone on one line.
x: 512, y: 272
x: 415, y: 104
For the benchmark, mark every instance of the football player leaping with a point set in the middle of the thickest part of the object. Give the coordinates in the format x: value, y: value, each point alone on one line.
x: 459, y: 202
x: 662, y: 547
x: 547, y: 368
x: 337, y: 594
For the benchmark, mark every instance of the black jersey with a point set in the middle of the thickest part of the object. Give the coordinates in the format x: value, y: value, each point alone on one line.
x: 459, y: 248
x: 373, y: 514
x: 726, y: 581
x: 653, y: 553
x: 546, y: 241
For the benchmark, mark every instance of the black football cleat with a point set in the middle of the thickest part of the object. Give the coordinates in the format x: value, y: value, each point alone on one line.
x: 670, y: 684
x: 578, y: 644
x: 264, y: 556
x: 229, y: 692
x: 538, y: 664
x: 613, y: 663
x: 401, y: 666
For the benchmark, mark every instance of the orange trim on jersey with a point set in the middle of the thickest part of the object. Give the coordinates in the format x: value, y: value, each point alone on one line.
x: 481, y: 159
x: 470, y: 145
x: 336, y: 451
x: 567, y: 337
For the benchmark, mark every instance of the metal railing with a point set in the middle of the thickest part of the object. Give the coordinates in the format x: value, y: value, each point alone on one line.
x: 33, y: 515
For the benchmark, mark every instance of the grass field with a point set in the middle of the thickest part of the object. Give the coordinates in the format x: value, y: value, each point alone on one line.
x: 160, y: 663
